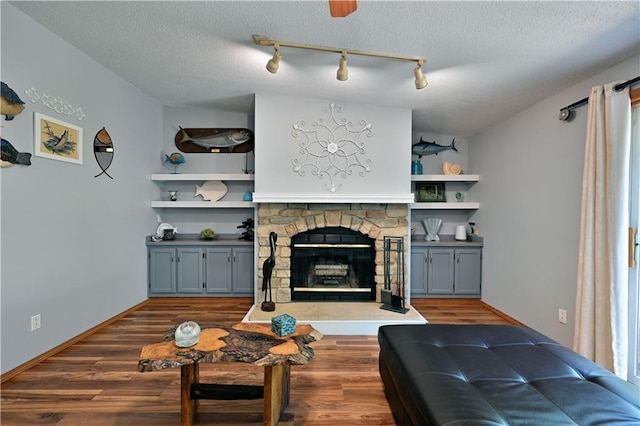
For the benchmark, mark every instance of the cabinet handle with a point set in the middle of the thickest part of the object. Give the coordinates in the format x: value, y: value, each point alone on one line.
x: 430, y: 258
x: 457, y: 259
x: 234, y: 258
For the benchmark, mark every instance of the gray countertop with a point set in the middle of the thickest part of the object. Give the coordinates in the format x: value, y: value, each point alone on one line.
x: 195, y: 240
x: 418, y: 240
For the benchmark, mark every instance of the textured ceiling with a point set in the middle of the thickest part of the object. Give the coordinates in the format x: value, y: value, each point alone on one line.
x: 486, y: 60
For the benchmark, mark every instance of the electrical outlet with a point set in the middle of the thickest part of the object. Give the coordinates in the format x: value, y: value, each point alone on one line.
x: 562, y: 316
x: 35, y: 322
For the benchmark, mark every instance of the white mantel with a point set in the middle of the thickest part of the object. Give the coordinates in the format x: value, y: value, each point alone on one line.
x: 334, y: 198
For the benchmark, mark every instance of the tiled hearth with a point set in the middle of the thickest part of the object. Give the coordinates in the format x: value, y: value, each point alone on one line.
x: 288, y: 219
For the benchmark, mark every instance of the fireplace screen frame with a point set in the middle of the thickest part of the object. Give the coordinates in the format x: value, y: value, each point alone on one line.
x: 332, y: 264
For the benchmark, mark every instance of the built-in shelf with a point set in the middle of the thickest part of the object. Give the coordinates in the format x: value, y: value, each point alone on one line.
x: 445, y: 178
x: 203, y: 204
x: 446, y: 206
x: 200, y: 176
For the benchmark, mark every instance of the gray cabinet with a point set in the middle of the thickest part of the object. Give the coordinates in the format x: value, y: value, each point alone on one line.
x: 190, y: 272
x: 230, y: 271
x: 162, y: 271
x: 205, y: 269
x: 441, y: 271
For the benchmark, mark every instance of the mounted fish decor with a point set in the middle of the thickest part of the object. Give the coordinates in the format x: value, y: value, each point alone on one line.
x: 176, y: 159
x: 214, y: 140
x: 429, y: 148
x: 10, y: 103
x: 103, y: 151
x: 11, y: 156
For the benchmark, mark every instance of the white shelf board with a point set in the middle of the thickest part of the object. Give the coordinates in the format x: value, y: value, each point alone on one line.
x: 445, y: 178
x: 445, y: 206
x: 200, y: 176
x: 203, y: 204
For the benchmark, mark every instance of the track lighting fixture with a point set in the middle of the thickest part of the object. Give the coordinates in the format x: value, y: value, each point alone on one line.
x: 274, y: 63
x: 421, y: 80
x: 343, y: 72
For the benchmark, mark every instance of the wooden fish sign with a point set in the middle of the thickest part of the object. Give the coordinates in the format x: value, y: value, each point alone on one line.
x: 103, y: 151
x: 215, y: 140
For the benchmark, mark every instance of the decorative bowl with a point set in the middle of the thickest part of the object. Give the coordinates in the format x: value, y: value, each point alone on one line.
x: 187, y: 334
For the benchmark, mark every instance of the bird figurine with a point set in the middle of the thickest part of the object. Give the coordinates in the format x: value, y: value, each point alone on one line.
x: 11, y: 156
x: 10, y: 103
x: 176, y: 159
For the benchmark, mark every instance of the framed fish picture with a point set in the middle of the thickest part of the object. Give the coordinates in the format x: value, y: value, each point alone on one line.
x: 57, y: 140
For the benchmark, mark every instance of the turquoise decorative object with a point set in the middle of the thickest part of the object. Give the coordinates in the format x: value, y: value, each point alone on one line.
x: 416, y: 167
x: 248, y: 196
x: 283, y: 325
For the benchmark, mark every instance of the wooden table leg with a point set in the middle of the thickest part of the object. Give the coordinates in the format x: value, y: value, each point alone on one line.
x: 188, y: 376
x: 276, y: 392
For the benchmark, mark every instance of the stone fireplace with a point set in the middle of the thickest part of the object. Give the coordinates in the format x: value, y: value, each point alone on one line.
x: 364, y: 223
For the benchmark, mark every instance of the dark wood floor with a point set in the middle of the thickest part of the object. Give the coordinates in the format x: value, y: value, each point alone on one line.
x: 96, y: 381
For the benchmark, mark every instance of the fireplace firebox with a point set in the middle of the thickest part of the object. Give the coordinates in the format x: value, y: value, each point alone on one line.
x: 332, y: 264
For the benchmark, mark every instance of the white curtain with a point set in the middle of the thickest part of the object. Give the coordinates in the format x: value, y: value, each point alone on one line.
x: 602, y: 287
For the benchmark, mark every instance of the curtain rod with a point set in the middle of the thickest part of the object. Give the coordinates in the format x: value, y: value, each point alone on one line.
x: 567, y: 113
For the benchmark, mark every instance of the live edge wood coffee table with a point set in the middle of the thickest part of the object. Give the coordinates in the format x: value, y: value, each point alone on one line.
x: 252, y: 343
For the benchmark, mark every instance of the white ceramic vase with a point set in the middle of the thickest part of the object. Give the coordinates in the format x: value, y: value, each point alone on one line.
x: 432, y: 226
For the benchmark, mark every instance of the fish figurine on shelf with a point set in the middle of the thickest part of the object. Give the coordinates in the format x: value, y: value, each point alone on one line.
x: 10, y: 103
x: 11, y: 156
x: 176, y: 159
x: 211, y: 190
x: 430, y: 148
x: 103, y: 151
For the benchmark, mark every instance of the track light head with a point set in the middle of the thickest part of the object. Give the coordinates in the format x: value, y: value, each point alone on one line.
x: 421, y: 80
x: 343, y: 72
x: 274, y: 63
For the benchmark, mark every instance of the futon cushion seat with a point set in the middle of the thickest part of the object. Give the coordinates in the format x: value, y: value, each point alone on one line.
x: 436, y: 374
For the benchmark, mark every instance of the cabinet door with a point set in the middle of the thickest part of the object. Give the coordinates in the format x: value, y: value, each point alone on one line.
x: 218, y: 270
x: 440, y: 275
x: 243, y: 271
x: 468, y: 271
x: 162, y: 270
x: 190, y: 270
x: 419, y: 259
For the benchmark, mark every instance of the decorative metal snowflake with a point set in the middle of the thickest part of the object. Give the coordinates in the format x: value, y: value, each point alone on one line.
x: 332, y: 148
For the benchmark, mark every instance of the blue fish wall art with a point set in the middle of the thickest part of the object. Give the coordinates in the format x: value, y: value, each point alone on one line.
x: 430, y: 148
x: 11, y: 156
x: 10, y: 103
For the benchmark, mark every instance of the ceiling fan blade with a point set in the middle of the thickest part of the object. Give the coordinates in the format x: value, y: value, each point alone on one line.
x: 342, y: 8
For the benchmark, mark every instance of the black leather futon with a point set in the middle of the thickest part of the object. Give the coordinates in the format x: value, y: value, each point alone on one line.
x: 437, y: 374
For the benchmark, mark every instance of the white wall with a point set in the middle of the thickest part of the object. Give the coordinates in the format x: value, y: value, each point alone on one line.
x: 72, y: 244
x: 386, y: 146
x: 530, y: 192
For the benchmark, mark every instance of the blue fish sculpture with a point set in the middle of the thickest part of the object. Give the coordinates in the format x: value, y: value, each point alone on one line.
x: 176, y: 159
x: 11, y: 156
x: 430, y: 148
x: 10, y: 103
